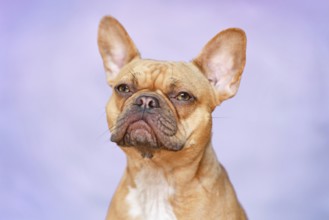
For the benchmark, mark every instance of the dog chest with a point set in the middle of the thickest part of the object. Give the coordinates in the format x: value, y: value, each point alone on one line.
x: 149, y: 200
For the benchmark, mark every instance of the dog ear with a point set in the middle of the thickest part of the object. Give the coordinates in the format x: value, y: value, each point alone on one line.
x: 115, y: 46
x: 222, y: 61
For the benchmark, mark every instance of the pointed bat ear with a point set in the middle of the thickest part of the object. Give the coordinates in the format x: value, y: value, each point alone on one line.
x: 222, y: 61
x: 115, y: 46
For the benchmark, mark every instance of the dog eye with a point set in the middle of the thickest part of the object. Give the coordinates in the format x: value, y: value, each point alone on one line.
x: 123, y: 88
x: 183, y: 96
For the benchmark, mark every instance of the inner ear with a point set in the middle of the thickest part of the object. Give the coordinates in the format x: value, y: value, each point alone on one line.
x: 222, y: 61
x: 115, y: 46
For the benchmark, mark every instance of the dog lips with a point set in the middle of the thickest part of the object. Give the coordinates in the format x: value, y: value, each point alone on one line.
x: 140, y: 134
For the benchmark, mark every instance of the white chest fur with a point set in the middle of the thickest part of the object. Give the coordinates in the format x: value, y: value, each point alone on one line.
x: 150, y: 199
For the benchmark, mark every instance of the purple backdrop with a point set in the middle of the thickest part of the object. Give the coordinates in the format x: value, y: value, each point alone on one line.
x: 56, y: 160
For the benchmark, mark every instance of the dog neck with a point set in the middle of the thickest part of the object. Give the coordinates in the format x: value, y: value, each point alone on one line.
x: 156, y: 184
x: 200, y: 167
x: 176, y: 169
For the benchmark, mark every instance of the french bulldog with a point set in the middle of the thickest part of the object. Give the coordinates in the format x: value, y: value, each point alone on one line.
x: 160, y: 115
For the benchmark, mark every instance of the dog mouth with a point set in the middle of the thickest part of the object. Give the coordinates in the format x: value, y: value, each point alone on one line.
x: 139, y: 133
x: 147, y: 131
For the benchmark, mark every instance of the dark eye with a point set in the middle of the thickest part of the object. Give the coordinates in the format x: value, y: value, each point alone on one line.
x: 183, y: 96
x: 123, y: 88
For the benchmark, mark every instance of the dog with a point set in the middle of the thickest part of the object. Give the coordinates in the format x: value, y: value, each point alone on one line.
x: 160, y: 115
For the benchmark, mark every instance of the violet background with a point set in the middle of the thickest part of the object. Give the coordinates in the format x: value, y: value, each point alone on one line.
x: 56, y: 160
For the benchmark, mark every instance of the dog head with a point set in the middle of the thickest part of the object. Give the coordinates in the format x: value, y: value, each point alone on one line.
x: 158, y: 105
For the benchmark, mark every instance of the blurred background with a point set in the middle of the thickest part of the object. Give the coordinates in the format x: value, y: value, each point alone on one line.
x: 56, y: 160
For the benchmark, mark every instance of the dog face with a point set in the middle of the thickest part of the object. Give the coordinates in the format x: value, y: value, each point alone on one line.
x: 167, y: 105
x: 153, y: 107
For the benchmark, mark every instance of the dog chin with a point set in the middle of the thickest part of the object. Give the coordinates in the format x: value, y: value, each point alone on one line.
x: 140, y: 134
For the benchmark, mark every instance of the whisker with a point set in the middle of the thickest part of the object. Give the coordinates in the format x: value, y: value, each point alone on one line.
x: 107, y: 141
x: 217, y: 117
x: 107, y: 131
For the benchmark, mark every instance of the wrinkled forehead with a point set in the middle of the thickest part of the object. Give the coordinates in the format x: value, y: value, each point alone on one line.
x: 156, y: 74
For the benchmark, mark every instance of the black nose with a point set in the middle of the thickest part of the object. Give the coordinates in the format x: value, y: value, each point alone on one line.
x: 147, y: 102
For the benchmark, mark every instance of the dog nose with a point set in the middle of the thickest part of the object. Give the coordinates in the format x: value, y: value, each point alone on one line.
x: 147, y: 102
